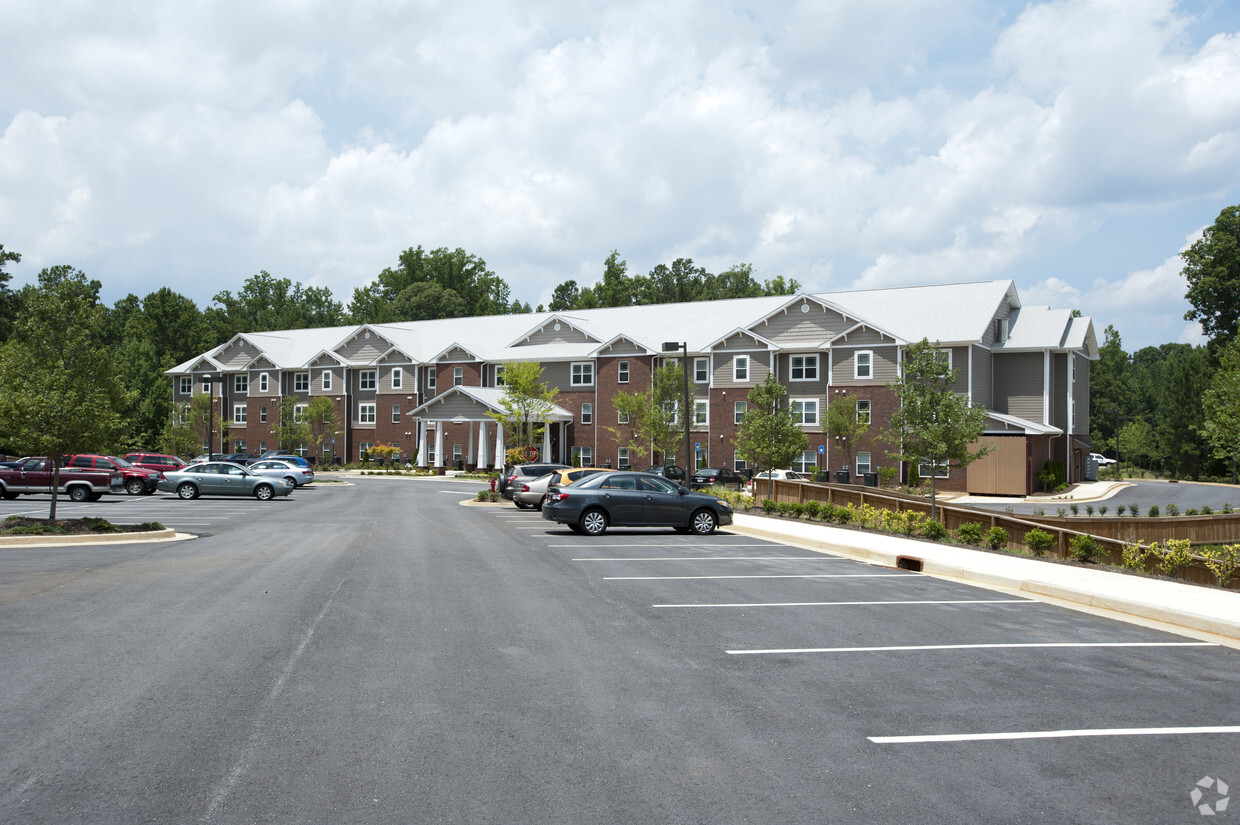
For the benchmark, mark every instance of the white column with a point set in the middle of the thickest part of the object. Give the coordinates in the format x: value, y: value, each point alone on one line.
x: 422, y: 443
x: 469, y: 457
x: 546, y: 447
x: 499, y: 446
x: 438, y: 444
x: 482, y: 444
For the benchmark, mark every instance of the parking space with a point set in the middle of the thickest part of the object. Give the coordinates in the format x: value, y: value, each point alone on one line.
x: 920, y: 661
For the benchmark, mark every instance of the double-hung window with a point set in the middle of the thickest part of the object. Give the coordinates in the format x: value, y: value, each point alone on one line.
x: 701, y: 413
x: 262, y: 414
x: 622, y: 416
x: 805, y: 411
x: 398, y: 378
x: 739, y: 409
x: 396, y: 413
x: 430, y: 378
x: 622, y: 372
x: 299, y: 413
x: 327, y: 380
x: 365, y: 413
x: 701, y: 370
x: 863, y: 411
x: 582, y: 374
x: 241, y: 384
x: 499, y: 376
x: 187, y: 384
x: 458, y: 376
x: 622, y: 458
x: 583, y: 456
x: 262, y: 382
x: 740, y: 368
x: 803, y: 368
x: 239, y: 413
x: 301, y: 382
x: 366, y: 380
x: 587, y: 413
x: 863, y: 364
x: 863, y: 463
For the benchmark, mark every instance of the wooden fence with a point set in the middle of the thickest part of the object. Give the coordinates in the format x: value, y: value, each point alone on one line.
x: 1111, y: 533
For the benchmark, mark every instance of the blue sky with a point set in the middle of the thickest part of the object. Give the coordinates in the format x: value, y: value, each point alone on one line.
x: 1075, y: 146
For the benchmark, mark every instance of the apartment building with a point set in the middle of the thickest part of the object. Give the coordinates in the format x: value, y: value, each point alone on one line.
x: 428, y: 386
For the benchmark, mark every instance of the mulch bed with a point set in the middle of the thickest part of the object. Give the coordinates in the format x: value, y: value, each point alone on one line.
x: 25, y: 526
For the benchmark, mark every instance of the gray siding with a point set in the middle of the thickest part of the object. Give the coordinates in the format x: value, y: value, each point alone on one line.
x: 456, y: 354
x: 1081, y: 390
x: 759, y: 368
x: 884, y: 362
x: 1059, y: 390
x: 548, y: 335
x: 362, y: 350
x: 558, y: 374
x: 447, y: 408
x: 865, y: 337
x: 1018, y: 384
x: 622, y: 347
x: 793, y: 327
x: 740, y: 342
x: 238, y: 354
x: 983, y: 389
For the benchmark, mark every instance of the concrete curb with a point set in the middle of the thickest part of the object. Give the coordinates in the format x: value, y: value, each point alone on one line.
x: 1173, y: 606
x: 94, y: 538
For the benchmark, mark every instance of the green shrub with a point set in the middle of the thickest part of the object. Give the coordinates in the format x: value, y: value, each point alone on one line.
x: 1154, y: 512
x: 1175, y: 556
x: 1084, y: 548
x: 1075, y: 508
x: 1134, y: 510
x: 1222, y: 562
x: 969, y: 533
x: 1102, y: 509
x: 1061, y: 512
x: 996, y: 538
x: 1226, y: 506
x: 1173, y: 510
x: 909, y: 522
x: 1206, y: 510
x: 813, y: 510
x: 1089, y: 510
x: 843, y: 515
x: 1133, y: 555
x: 1039, y: 541
x: 934, y: 530
x: 1191, y: 511
x: 769, y: 506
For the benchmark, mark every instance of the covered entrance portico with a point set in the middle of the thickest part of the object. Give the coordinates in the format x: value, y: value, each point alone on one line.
x: 460, y: 417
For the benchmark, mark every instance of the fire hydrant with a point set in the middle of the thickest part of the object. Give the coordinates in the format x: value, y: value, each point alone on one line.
x: 492, y: 484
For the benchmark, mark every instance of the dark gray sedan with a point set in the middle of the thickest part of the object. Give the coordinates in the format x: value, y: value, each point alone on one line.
x: 220, y: 478
x: 633, y: 500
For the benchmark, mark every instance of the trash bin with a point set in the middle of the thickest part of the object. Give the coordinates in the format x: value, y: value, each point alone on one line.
x: 870, y: 479
x: 841, y: 477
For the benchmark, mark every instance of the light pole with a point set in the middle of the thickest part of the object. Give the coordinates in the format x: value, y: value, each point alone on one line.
x: 210, y: 379
x: 672, y: 346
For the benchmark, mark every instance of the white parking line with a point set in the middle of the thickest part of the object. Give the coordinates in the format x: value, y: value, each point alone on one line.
x: 1017, y: 646
x: 1052, y: 734
x: 855, y: 604
x: 718, y: 558
x: 779, y: 576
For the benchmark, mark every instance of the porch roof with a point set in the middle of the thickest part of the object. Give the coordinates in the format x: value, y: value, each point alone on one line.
x: 463, y: 403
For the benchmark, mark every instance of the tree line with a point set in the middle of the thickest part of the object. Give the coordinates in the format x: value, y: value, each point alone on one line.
x: 142, y: 337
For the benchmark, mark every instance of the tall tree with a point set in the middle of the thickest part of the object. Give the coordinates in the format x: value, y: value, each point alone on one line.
x: 934, y: 424
x: 1111, y: 390
x: 479, y: 290
x: 61, y: 392
x: 1212, y: 267
x: 769, y: 436
x: 7, y: 301
x: 1182, y: 381
x: 653, y: 416
x: 525, y: 406
x: 1221, y: 405
x: 269, y: 303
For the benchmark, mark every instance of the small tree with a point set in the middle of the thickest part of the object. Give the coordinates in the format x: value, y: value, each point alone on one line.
x: 60, y: 394
x: 653, y: 415
x: 769, y: 436
x: 290, y: 428
x: 934, y: 425
x: 179, y: 436
x: 845, y: 426
x: 322, y: 423
x: 384, y: 453
x: 526, y: 404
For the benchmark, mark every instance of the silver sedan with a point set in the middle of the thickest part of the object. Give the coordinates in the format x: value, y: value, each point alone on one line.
x: 295, y: 474
x: 532, y: 493
x: 222, y: 478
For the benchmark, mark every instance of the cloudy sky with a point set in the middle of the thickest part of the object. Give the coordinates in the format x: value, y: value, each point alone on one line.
x: 1073, y: 146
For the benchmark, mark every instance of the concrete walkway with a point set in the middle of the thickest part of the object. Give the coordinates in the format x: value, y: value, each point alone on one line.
x: 1200, y: 612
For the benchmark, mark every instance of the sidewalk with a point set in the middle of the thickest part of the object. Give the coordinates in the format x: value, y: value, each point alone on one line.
x: 1085, y: 491
x: 1201, y: 612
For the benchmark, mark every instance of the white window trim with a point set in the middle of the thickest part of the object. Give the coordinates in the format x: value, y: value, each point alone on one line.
x: 622, y: 417
x: 704, y: 407
x: 587, y: 413
x: 431, y: 374
x: 239, y: 413
x: 705, y: 363
x: 574, y: 374
x: 944, y: 470
x: 458, y: 376
x: 737, y: 360
x: 367, y: 379
x: 298, y: 386
x: 868, y: 464
x: 396, y: 413
x: 739, y: 408
x: 187, y: 385
x: 327, y: 380
x: 803, y: 402
x: 622, y: 372
x: 299, y: 413
x: 241, y: 384
x: 363, y: 409
x: 857, y: 376
x: 869, y: 410
x: 804, y: 358
x: 398, y: 378
x: 262, y: 382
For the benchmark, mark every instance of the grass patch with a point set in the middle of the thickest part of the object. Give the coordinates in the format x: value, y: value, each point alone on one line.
x: 25, y: 526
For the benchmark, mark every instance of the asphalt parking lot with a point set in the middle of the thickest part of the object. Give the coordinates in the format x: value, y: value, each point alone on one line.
x: 380, y: 653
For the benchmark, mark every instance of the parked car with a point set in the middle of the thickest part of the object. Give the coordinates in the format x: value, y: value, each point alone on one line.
x: 717, y: 477
x: 628, y: 499
x: 283, y: 455
x: 36, y: 474
x: 531, y: 493
x: 522, y: 472
x: 668, y: 471
x: 1101, y: 460
x: 198, y: 459
x: 138, y: 481
x: 221, y: 478
x: 244, y: 459
x: 154, y: 461
x: 777, y: 475
x: 293, y: 472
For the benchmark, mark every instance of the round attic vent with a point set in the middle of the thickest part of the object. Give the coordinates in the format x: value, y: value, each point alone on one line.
x: 557, y: 327
x: 805, y: 307
x: 368, y: 336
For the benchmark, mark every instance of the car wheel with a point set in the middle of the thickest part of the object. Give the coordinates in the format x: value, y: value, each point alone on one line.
x: 521, y: 505
x: 9, y: 496
x: 594, y: 522
x: 540, y: 504
x: 187, y: 491
x: 264, y: 492
x: 292, y: 482
x: 703, y: 522
x: 135, y: 487
x: 79, y: 493
x: 96, y: 496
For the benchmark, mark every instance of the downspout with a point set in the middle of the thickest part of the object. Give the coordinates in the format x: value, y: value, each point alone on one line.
x: 1070, y: 396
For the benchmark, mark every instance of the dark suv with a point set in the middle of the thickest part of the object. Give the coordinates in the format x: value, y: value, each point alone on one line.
x: 523, y: 472
x: 717, y: 477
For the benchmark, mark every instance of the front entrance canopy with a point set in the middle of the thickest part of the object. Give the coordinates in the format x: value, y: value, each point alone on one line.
x: 464, y: 405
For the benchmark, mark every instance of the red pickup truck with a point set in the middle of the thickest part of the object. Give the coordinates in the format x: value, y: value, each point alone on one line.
x: 34, y: 475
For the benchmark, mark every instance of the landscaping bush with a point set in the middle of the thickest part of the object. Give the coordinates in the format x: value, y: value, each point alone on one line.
x: 1084, y: 548
x: 1134, y: 510
x: 1222, y: 562
x: 1175, y: 556
x: 1089, y: 510
x: 1102, y: 509
x: 769, y: 506
x: 1039, y: 541
x: 1173, y: 510
x: 969, y: 533
x: 934, y: 530
x: 843, y: 515
x: 813, y: 510
x: 1133, y: 555
x: 996, y: 538
x: 1154, y: 512
x: 1207, y: 510
x: 1075, y: 508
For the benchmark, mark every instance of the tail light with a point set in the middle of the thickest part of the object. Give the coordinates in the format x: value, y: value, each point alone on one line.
x: 559, y: 495
x: 525, y: 488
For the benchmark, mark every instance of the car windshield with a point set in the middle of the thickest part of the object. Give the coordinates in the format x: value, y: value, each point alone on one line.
x: 120, y: 462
